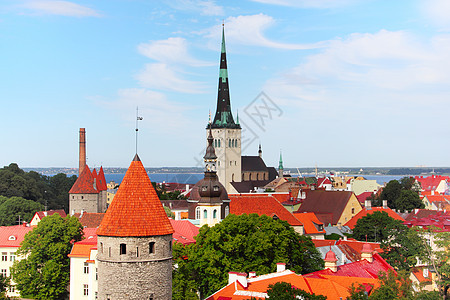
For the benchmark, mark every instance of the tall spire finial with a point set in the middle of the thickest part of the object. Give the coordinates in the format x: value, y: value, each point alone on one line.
x: 137, y: 129
x: 209, y: 119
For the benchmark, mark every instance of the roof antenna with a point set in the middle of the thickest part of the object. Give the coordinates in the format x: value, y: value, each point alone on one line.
x: 137, y: 129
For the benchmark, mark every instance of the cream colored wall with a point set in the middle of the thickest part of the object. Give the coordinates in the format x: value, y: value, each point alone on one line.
x: 210, y: 220
x: 228, y: 158
x: 35, y: 220
x: 78, y: 278
x: 92, y: 278
x: 347, y: 212
x: 6, y: 265
x: 360, y: 186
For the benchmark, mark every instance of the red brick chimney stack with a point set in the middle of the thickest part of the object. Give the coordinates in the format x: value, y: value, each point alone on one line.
x: 82, y: 150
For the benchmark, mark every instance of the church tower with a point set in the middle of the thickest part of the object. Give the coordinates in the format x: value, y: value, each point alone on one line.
x: 134, y: 242
x: 280, y: 167
x: 226, y: 133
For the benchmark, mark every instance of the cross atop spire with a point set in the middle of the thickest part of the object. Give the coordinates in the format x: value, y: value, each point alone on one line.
x: 223, y: 117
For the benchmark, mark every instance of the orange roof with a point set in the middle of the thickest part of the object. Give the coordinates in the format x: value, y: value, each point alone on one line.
x: 333, y: 287
x: 136, y: 209
x: 84, y: 183
x: 262, y: 205
x: 90, y: 220
x: 309, y: 220
x: 352, y: 222
x: 437, y: 198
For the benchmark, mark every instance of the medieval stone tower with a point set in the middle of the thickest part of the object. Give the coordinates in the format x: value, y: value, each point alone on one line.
x: 135, y: 242
x: 226, y: 133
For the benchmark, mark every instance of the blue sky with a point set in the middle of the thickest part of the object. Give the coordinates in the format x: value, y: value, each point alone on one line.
x: 349, y: 82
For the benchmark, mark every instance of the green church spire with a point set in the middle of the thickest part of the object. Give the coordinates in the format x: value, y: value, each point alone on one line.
x: 280, y: 164
x: 223, y: 117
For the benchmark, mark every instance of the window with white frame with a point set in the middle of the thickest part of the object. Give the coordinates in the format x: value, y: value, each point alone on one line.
x: 86, y: 268
x: 4, y: 256
x: 85, y: 290
x: 3, y: 272
x: 197, y: 213
x: 12, y: 256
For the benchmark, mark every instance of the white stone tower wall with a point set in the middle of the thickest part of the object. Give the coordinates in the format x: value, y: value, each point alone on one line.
x: 123, y: 276
x: 228, y: 158
x: 86, y: 202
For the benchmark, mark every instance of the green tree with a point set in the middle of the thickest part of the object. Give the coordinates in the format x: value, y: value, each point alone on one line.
x: 393, y: 286
x: 401, y: 195
x: 44, y: 272
x: 401, y: 245
x: 15, y: 208
x: 285, y: 291
x: 169, y: 213
x: 4, y: 285
x: 358, y: 292
x: 184, y: 286
x: 247, y: 243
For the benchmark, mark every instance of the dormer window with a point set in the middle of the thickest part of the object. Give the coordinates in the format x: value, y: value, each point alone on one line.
x: 216, y: 188
x: 12, y: 238
x: 204, y: 188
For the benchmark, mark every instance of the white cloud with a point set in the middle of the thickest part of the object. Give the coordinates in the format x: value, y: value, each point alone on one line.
x: 307, y: 3
x: 437, y: 12
x: 384, y: 62
x: 205, y: 7
x: 172, y: 50
x: 62, y: 8
x: 164, y: 77
x: 249, y: 30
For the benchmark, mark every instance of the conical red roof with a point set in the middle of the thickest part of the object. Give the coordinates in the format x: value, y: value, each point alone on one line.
x: 136, y: 209
x: 101, y: 181
x: 84, y: 183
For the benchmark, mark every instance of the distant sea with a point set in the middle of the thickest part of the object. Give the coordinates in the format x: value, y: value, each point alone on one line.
x: 192, y: 178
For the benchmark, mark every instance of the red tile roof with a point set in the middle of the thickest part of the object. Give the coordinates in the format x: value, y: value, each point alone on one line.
x: 261, y: 204
x: 84, y: 183
x: 309, y: 221
x: 354, y: 244
x: 430, y: 183
x: 333, y: 287
x: 42, y: 214
x: 184, y: 231
x: 90, y: 220
x: 101, y: 180
x: 363, y: 196
x: 361, y: 269
x: 136, y: 209
x: 12, y: 236
x: 352, y: 222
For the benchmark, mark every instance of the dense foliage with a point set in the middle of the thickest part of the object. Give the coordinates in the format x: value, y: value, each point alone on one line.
x: 241, y: 243
x: 400, y: 195
x: 401, y: 245
x: 44, y: 272
x: 15, y: 210
x: 285, y: 291
x: 46, y: 190
x: 4, y: 285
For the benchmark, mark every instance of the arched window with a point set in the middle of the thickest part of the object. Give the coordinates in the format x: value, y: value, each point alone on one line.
x: 227, y: 210
x: 232, y: 177
x: 229, y: 143
x: 218, y: 143
x: 215, y: 214
x: 197, y: 213
x: 205, y: 214
x: 215, y: 143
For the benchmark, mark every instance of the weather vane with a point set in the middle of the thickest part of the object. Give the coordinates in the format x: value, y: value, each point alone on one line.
x: 138, y: 118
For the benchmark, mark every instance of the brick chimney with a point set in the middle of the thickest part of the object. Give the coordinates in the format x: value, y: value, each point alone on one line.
x: 331, y: 261
x: 385, y: 204
x: 281, y: 267
x: 82, y: 155
x: 368, y: 204
x: 367, y: 252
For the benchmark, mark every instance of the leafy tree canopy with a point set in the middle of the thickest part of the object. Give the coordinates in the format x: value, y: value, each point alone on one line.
x: 400, y: 195
x: 44, y: 272
x: 401, y: 245
x: 285, y: 291
x: 15, y: 209
x: 246, y: 243
x: 47, y: 190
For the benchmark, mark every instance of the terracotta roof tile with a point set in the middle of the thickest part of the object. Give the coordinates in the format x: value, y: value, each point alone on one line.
x: 184, y: 231
x: 90, y: 220
x: 309, y: 221
x: 12, y: 236
x: 42, y: 214
x: 101, y: 180
x: 84, y: 183
x: 136, y: 209
x: 261, y: 205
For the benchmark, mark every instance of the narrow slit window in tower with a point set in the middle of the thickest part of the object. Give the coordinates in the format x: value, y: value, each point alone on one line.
x: 151, y: 247
x: 123, y: 249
